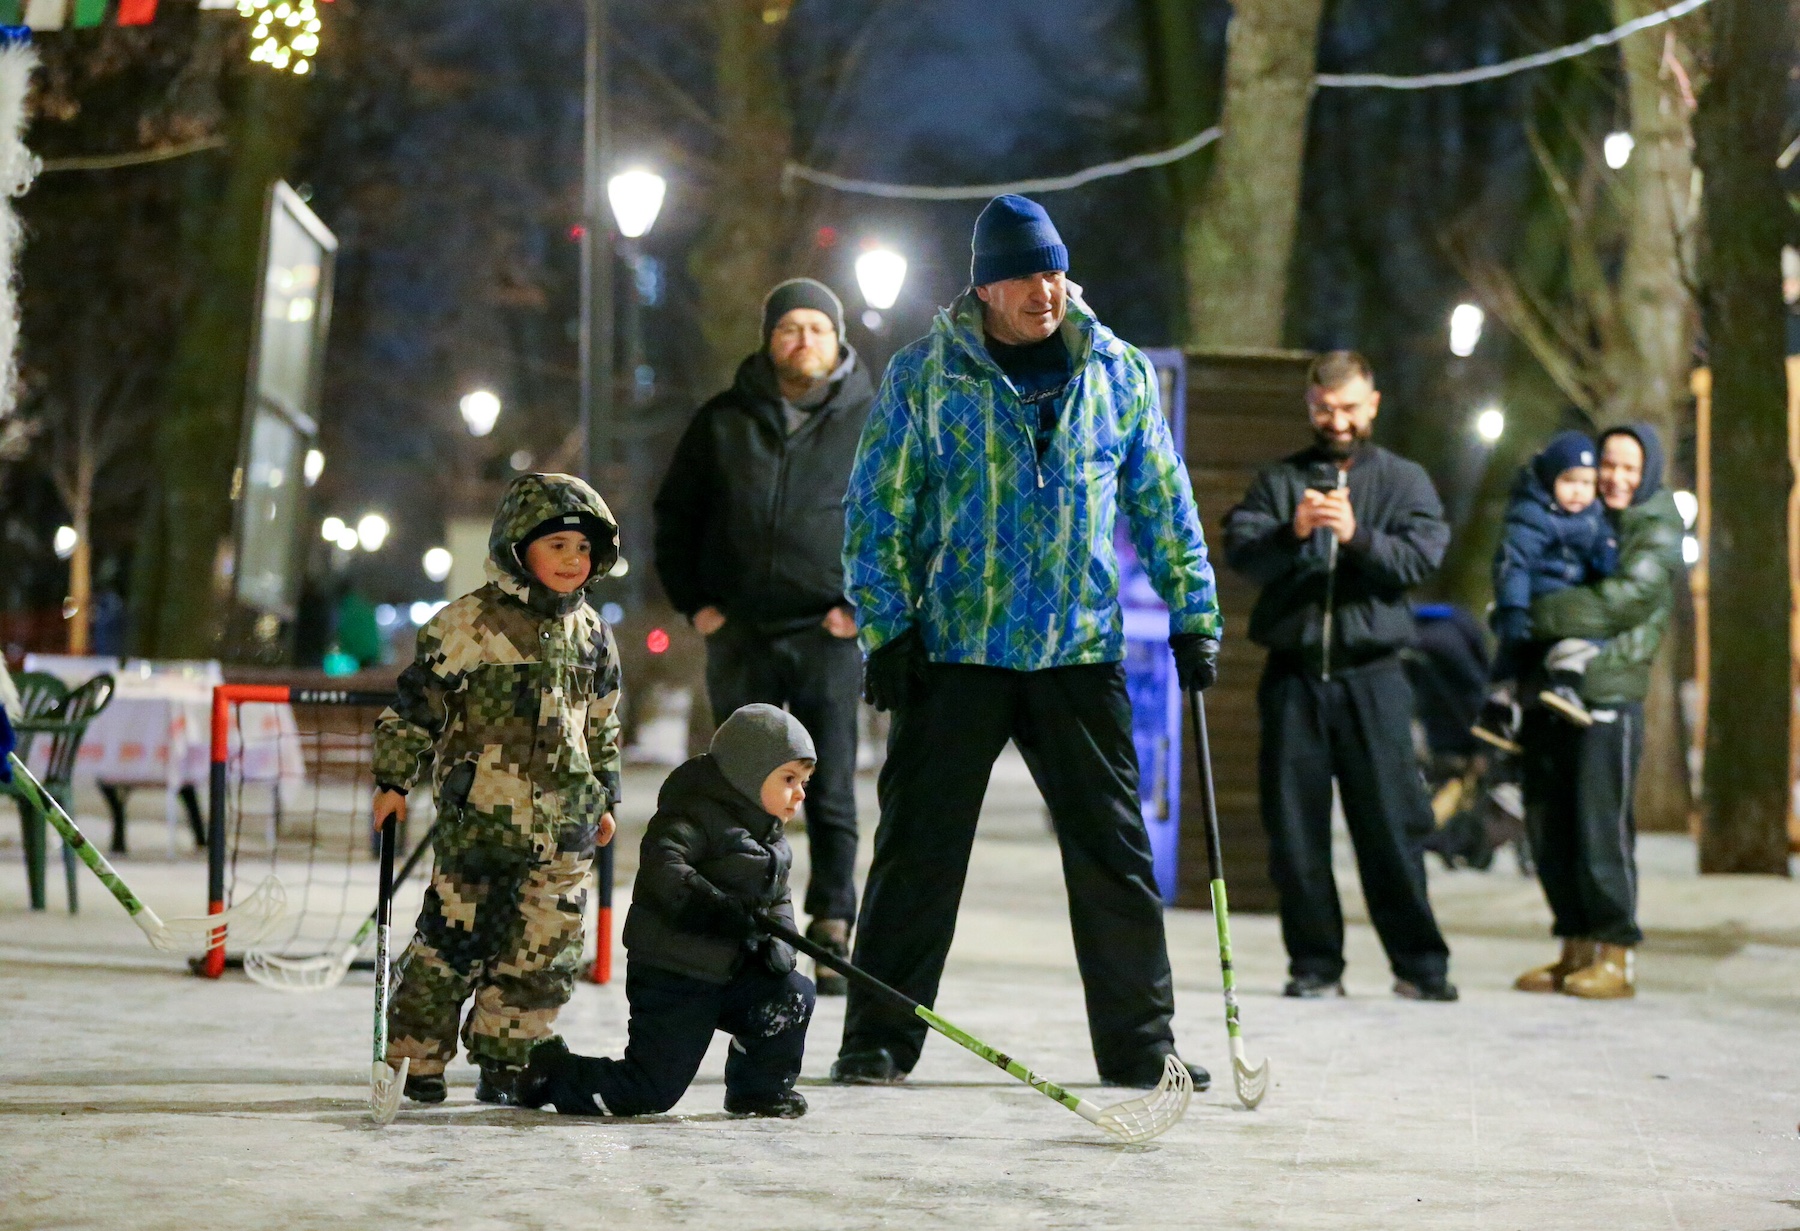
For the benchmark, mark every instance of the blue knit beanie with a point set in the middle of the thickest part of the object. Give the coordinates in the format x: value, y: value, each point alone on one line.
x: 1565, y: 451
x: 1014, y: 237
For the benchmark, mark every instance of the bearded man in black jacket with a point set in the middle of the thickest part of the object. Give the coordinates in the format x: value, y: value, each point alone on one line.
x: 749, y: 546
x: 1336, y: 535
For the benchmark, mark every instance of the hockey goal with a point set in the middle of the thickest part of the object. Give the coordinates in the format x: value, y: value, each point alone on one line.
x: 289, y: 798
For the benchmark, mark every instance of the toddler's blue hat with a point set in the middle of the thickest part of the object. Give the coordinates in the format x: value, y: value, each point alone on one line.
x: 1565, y: 451
x: 1014, y: 237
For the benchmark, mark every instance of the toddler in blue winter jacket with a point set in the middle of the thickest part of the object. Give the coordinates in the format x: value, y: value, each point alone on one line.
x: 1556, y: 535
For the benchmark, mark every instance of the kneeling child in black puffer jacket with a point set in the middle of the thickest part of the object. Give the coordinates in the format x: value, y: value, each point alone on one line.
x: 696, y: 961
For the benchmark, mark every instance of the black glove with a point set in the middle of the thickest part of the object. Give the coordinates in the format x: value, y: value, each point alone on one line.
x: 1196, y: 660
x: 711, y: 912
x: 1512, y: 624
x: 890, y: 672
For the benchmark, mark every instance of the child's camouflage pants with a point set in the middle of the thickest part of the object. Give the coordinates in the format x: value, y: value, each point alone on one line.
x: 501, y: 922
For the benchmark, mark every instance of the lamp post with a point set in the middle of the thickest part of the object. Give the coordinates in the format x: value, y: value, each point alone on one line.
x: 596, y: 256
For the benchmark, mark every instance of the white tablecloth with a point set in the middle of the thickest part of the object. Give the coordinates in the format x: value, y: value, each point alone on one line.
x: 158, y: 732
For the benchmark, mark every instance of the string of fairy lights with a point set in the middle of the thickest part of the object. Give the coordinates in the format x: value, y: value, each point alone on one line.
x: 285, y: 35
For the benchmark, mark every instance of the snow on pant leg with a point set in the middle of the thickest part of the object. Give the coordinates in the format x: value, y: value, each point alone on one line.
x: 1073, y: 725
x: 532, y: 973
x: 941, y: 750
x: 1606, y: 866
x: 672, y: 1022
x: 1551, y: 766
x: 766, y: 1015
x: 468, y: 908
x: 1388, y: 813
x: 1294, y: 779
x: 824, y: 684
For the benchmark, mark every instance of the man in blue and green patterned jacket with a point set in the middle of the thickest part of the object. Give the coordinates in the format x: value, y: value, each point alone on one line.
x: 1000, y: 453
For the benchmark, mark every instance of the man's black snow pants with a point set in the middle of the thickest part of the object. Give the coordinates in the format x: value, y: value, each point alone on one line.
x: 1073, y: 725
x: 1356, y: 728
x: 819, y: 678
x: 1578, y: 787
x: 673, y: 1017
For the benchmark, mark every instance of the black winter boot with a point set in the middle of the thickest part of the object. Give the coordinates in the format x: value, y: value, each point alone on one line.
x: 426, y: 1089
x: 1440, y: 989
x: 532, y: 1087
x: 867, y: 1068
x: 788, y: 1105
x: 832, y: 935
x: 1148, y: 1075
x: 495, y: 1085
x: 1312, y: 987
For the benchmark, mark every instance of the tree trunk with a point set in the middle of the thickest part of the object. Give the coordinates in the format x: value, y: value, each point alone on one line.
x: 197, y: 439
x: 1744, y: 821
x: 1652, y: 373
x: 1186, y: 96
x: 740, y: 255
x: 79, y: 605
x: 1239, y: 249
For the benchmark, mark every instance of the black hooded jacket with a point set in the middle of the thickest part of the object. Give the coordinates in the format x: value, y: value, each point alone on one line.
x: 750, y: 519
x: 1400, y: 541
x: 707, y: 841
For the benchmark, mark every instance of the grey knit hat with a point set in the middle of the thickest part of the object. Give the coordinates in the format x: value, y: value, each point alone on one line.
x: 756, y: 741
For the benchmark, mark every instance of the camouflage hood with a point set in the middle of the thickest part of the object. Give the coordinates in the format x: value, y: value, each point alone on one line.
x: 532, y: 500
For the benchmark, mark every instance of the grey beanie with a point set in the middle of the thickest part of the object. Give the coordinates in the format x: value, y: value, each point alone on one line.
x: 756, y: 741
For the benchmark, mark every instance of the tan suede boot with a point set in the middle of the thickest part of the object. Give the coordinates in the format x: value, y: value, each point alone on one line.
x: 832, y: 934
x: 1575, y: 955
x: 1609, y: 977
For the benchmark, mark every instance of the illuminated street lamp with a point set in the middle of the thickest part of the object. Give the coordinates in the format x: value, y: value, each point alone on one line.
x: 437, y: 563
x: 332, y: 529
x: 371, y: 531
x: 63, y: 542
x: 1466, y: 322
x: 636, y: 197
x: 312, y: 467
x: 1490, y: 425
x: 1617, y: 147
x: 880, y: 273
x: 480, y: 411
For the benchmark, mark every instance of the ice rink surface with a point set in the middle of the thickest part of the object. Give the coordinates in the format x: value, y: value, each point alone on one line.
x: 133, y: 1095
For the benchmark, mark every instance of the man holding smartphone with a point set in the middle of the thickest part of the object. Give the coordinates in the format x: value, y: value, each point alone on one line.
x: 1336, y: 535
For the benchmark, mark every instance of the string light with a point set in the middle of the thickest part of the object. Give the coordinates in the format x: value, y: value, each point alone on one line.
x: 284, y: 34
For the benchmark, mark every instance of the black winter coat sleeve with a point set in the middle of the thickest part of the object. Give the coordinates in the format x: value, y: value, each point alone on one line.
x: 1411, y: 546
x: 683, y: 509
x: 1259, y: 534
x: 667, y: 879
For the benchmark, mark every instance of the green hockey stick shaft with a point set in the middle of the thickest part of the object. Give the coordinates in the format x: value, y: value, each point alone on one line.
x: 1215, y: 861
x: 65, y: 825
x: 949, y: 1030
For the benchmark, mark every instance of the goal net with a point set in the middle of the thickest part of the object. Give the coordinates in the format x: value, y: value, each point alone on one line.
x: 290, y: 790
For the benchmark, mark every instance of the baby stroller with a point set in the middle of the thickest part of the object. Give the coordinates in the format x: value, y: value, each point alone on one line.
x: 1474, y: 788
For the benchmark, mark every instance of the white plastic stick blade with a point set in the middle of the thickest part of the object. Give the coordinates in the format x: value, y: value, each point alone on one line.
x: 1142, y: 1119
x: 247, y: 921
x: 299, y: 974
x: 1252, y: 1083
x: 385, y: 1088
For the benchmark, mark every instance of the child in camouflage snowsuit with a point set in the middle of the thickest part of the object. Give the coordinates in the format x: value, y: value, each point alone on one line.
x: 510, y: 705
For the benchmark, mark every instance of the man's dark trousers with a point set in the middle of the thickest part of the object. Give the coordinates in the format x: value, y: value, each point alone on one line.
x: 1578, y: 786
x: 1073, y: 725
x: 673, y: 1017
x: 1356, y: 727
x: 819, y: 678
